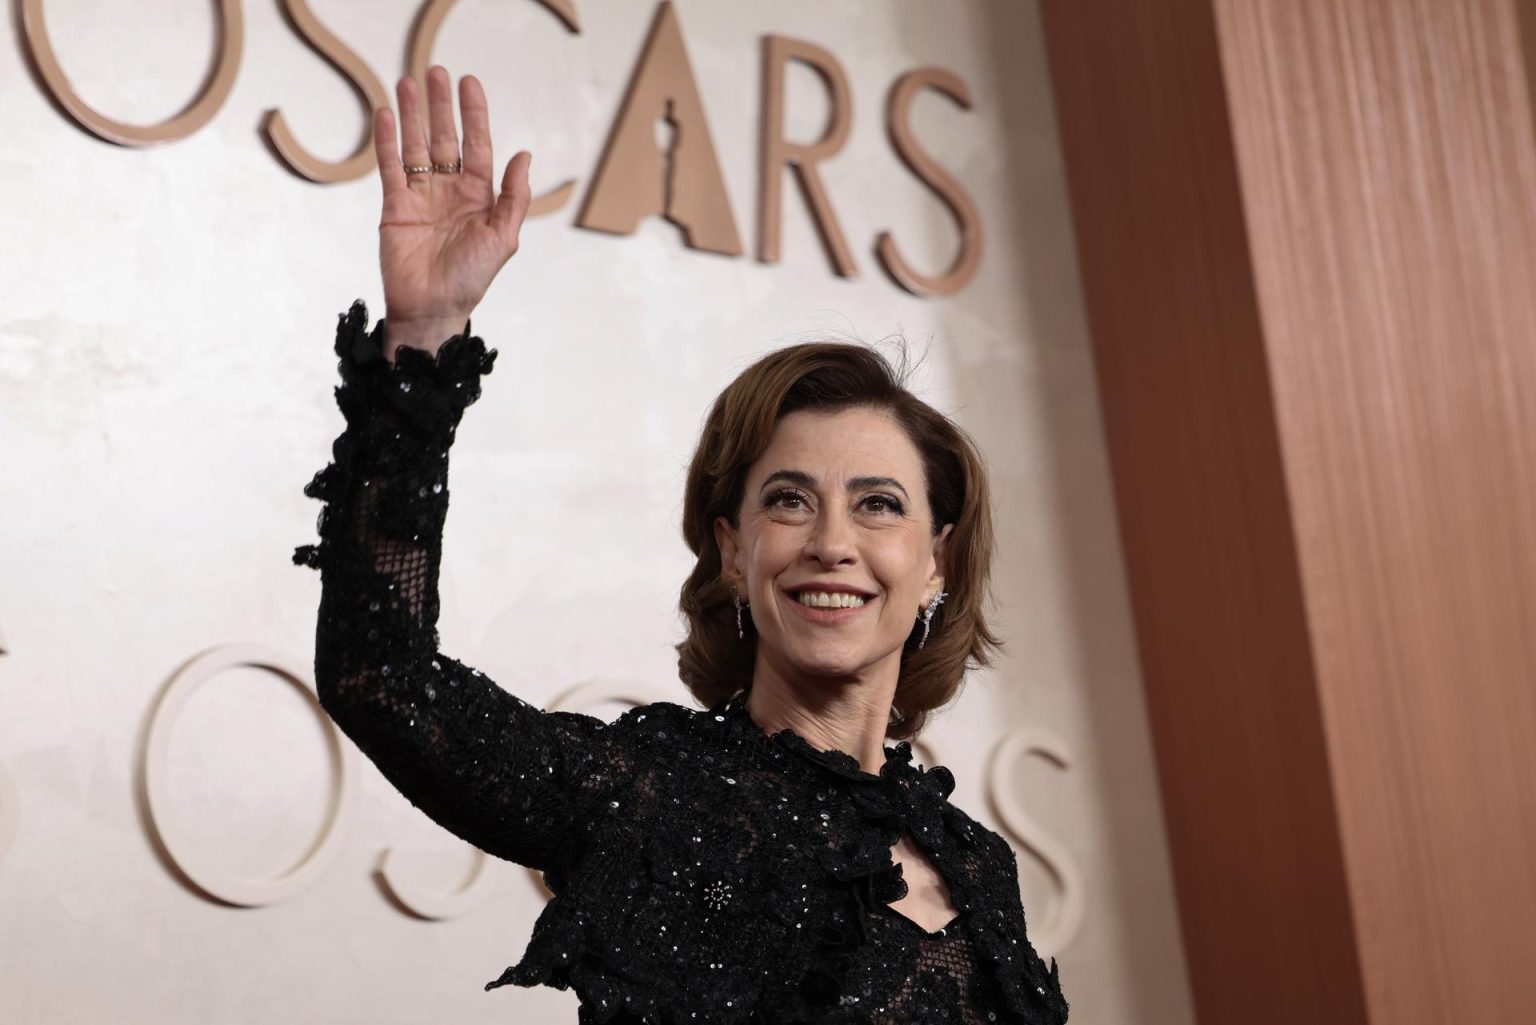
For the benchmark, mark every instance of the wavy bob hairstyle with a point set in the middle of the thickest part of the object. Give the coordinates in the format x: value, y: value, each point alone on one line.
x: 713, y: 662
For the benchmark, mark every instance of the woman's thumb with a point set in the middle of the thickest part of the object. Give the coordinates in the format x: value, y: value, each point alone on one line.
x: 512, y: 204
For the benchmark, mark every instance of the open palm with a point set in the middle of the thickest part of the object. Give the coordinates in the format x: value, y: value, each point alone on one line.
x: 443, y: 235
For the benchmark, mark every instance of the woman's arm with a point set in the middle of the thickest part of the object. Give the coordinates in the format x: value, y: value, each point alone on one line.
x: 515, y: 781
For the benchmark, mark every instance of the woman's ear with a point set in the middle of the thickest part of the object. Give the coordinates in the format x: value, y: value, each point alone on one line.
x: 728, y: 541
x: 940, y: 559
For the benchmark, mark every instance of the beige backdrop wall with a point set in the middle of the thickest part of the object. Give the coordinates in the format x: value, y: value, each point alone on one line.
x: 165, y: 393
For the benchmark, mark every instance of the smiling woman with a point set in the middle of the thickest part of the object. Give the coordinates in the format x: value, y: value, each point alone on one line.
x: 818, y: 475
x: 733, y: 863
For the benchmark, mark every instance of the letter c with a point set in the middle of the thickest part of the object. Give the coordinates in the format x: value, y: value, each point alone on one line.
x: 424, y: 36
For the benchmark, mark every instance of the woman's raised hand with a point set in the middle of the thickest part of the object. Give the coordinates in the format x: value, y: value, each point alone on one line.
x: 442, y: 235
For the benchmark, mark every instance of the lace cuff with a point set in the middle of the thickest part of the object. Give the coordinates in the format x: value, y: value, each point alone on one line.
x: 398, y: 416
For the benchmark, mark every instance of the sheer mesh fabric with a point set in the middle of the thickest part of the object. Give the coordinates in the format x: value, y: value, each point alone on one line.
x: 943, y: 985
x: 702, y: 868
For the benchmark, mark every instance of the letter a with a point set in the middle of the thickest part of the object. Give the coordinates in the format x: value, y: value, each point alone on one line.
x: 635, y: 179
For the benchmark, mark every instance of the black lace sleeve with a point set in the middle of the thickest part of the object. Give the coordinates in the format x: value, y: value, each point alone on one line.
x: 517, y: 782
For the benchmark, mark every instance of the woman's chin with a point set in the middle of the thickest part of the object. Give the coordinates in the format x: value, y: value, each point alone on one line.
x: 829, y: 668
x: 831, y: 661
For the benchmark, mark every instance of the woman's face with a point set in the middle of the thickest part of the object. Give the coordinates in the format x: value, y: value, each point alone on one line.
x: 835, y: 548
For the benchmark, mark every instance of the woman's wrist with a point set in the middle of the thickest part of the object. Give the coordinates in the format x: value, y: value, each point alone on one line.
x: 428, y: 334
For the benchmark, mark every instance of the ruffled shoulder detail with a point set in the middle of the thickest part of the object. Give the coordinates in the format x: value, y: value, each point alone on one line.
x: 420, y: 393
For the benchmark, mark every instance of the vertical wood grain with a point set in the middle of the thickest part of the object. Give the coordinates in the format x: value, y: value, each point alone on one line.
x: 1307, y: 236
x: 1203, y: 515
x: 1389, y: 180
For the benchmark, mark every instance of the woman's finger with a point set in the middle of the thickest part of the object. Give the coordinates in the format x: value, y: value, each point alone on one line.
x: 444, y: 143
x: 512, y: 204
x: 391, y: 172
x: 413, y: 141
x: 477, y: 129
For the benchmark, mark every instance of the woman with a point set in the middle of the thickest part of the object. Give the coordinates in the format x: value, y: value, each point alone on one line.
x: 766, y: 860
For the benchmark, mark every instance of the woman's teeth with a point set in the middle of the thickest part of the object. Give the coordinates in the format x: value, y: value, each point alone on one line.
x: 830, y: 600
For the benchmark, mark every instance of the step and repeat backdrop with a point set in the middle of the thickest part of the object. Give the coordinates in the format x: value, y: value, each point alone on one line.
x: 189, y: 201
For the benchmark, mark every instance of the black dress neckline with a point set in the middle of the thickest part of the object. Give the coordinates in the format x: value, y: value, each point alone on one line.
x: 898, y: 757
x: 901, y: 797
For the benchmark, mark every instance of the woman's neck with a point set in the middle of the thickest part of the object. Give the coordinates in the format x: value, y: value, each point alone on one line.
x: 848, y: 714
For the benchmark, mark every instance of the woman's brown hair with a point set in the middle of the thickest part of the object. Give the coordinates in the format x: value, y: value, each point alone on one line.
x: 713, y: 662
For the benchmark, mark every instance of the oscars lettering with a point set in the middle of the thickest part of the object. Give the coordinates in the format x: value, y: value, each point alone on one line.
x: 632, y: 179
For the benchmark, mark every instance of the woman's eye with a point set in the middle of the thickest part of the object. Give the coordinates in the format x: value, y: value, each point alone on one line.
x: 883, y: 503
x: 795, y: 501
x: 785, y: 500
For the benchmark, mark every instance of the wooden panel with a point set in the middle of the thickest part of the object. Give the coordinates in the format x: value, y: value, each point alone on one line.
x: 1199, y: 485
x: 1308, y: 239
x: 1389, y: 179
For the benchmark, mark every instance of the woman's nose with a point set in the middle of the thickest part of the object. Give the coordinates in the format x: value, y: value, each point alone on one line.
x: 831, y: 541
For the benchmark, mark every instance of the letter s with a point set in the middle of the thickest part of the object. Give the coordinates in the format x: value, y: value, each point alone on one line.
x: 898, y: 124
x: 358, y: 74
x: 1020, y: 827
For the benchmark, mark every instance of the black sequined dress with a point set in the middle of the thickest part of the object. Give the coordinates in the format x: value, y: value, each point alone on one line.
x: 703, y: 870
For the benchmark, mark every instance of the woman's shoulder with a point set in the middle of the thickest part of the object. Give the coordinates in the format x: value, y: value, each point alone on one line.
x: 656, y: 717
x: 658, y: 726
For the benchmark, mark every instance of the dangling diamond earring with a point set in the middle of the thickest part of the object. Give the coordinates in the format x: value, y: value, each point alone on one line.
x: 927, y: 614
x: 740, y: 630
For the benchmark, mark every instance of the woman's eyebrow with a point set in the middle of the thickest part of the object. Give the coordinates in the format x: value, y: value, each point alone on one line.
x: 805, y: 480
x: 861, y: 483
x: 798, y: 477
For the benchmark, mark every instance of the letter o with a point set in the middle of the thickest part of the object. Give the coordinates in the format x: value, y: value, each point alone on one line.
x: 197, y: 114
x: 212, y: 880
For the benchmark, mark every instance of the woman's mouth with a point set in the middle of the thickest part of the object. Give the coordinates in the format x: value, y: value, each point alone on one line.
x: 829, y: 599
x: 828, y: 606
